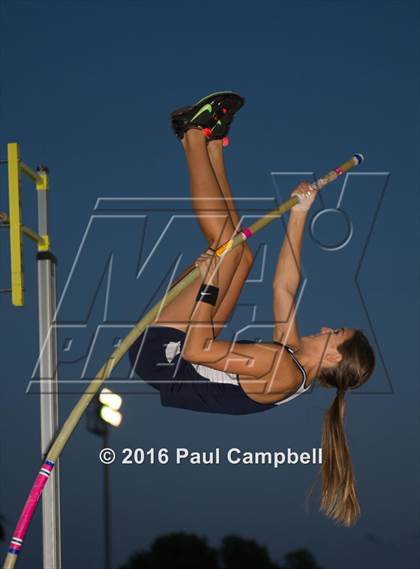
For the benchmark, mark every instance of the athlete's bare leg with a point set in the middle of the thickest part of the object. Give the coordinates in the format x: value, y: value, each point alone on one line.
x: 217, y: 224
x: 216, y: 155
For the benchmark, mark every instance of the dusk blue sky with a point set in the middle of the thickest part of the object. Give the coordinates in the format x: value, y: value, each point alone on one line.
x: 87, y: 88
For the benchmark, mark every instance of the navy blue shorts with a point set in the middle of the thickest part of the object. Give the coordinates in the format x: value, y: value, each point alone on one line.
x: 156, y: 358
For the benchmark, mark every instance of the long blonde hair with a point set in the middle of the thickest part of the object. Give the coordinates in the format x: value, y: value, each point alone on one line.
x: 338, y: 490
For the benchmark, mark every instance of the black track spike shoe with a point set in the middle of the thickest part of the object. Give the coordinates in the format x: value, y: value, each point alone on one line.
x: 212, y: 114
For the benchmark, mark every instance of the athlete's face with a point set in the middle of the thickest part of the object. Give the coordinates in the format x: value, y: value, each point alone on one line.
x: 327, y: 341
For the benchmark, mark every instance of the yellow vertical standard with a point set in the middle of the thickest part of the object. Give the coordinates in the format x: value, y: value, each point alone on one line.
x: 15, y: 217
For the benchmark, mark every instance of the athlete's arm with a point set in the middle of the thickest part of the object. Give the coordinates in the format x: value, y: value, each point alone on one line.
x: 287, y: 274
x: 200, y: 347
x: 266, y: 372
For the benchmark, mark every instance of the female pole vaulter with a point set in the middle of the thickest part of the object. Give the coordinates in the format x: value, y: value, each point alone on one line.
x: 180, y: 354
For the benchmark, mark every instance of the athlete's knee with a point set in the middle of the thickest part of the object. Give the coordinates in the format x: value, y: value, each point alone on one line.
x: 236, y: 254
x: 241, y: 255
x: 247, y: 256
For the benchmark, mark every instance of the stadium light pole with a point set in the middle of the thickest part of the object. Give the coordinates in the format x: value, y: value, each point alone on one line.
x: 105, y: 412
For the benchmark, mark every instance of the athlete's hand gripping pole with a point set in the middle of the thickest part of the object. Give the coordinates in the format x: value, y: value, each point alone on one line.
x: 77, y: 412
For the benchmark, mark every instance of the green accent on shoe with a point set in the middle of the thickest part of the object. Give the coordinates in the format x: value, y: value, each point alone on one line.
x: 207, y: 107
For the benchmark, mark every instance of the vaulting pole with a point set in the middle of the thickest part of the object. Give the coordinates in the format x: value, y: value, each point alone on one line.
x: 105, y: 371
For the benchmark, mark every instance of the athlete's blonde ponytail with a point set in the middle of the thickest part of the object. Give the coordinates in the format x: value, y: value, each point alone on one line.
x: 338, y: 489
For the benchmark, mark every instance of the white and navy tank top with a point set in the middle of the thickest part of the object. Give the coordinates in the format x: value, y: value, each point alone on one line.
x: 173, y: 349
